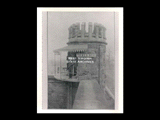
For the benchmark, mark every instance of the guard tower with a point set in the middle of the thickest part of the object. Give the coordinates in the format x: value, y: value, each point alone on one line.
x: 87, y: 45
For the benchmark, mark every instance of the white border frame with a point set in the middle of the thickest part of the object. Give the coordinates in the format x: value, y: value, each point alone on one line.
x: 42, y: 68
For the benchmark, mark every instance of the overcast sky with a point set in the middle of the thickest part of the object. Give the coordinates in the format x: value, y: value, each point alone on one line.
x: 59, y: 22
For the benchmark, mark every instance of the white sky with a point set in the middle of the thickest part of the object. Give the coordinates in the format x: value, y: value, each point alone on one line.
x: 59, y: 22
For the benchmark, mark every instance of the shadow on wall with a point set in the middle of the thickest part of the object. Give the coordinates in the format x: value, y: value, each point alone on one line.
x: 61, y: 94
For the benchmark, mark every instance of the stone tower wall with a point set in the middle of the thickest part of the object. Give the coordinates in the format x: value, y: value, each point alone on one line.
x: 95, y: 38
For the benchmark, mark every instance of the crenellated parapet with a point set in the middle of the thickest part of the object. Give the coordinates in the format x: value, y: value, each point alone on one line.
x: 96, y: 32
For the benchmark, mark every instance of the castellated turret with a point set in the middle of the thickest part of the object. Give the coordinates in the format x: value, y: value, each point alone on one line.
x: 88, y: 42
x: 87, y: 48
x: 96, y: 33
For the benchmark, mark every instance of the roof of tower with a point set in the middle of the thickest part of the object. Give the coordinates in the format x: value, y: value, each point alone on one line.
x: 79, y: 34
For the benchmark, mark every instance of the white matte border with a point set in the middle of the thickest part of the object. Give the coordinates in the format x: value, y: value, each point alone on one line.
x: 39, y: 60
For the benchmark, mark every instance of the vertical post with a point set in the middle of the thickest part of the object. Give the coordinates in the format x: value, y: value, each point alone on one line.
x: 104, y: 31
x: 82, y: 29
x: 77, y: 28
x: 73, y: 31
x: 97, y: 31
x: 101, y: 27
x: 90, y: 30
x: 69, y: 32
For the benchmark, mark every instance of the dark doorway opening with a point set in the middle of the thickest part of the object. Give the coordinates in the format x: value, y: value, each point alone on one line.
x: 72, y: 67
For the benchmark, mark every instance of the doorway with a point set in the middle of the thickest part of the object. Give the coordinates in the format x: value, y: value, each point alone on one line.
x: 72, y: 67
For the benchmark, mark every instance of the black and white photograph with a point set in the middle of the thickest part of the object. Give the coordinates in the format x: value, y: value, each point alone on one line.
x: 79, y: 67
